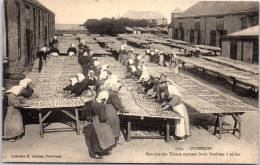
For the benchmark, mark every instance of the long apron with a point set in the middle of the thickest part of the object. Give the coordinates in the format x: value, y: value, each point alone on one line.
x: 13, y: 124
x: 104, y: 133
x: 182, y: 126
x: 113, y: 120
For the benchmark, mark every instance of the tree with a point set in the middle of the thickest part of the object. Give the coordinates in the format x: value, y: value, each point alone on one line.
x: 112, y: 26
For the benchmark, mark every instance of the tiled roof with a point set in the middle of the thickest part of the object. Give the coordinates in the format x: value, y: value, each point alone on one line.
x: 69, y: 27
x: 143, y: 15
x: 204, y: 8
x: 252, y: 31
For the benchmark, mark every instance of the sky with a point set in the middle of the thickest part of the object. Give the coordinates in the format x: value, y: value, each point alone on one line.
x: 78, y: 11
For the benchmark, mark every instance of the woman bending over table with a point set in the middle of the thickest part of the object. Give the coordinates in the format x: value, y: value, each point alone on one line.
x: 13, y: 124
x: 174, y: 103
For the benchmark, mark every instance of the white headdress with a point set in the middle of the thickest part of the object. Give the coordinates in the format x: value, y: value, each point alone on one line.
x: 103, y: 75
x: 173, y: 91
x: 102, y: 96
x: 80, y: 77
x: 73, y: 81
x: 96, y: 63
x: 15, y: 90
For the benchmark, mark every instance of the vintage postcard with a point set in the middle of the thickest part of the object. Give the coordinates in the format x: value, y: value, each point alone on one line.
x: 130, y: 81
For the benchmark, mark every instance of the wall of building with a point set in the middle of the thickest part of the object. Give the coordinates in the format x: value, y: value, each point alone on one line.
x: 33, y: 18
x: 161, y: 22
x: 244, y: 49
x: 248, y: 52
x: 225, y: 51
x: 239, y: 50
x: 232, y: 23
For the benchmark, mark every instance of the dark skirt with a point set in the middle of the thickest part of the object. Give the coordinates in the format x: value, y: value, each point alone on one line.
x: 113, y: 120
x: 92, y: 142
x: 40, y: 65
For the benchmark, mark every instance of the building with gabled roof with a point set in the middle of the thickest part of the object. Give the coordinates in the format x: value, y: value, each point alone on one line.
x: 150, y: 16
x: 206, y: 21
x: 27, y: 25
x: 242, y: 45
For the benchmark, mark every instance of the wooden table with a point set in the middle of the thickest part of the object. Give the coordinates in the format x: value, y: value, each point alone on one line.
x: 235, y: 74
x: 211, y: 48
x: 65, y: 110
x: 130, y: 119
x: 237, y: 124
x: 206, y: 101
x: 134, y: 103
x: 203, y: 100
x: 42, y: 118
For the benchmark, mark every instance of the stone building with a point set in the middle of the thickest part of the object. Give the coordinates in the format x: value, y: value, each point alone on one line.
x: 28, y: 26
x: 151, y: 16
x: 70, y: 29
x: 206, y: 21
x: 242, y: 45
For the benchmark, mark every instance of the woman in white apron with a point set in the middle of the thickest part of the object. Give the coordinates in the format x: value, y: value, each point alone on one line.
x: 173, y: 102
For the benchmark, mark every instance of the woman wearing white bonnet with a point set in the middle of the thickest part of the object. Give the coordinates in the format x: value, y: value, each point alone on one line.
x: 27, y: 90
x: 42, y: 55
x: 110, y: 81
x: 13, y: 124
x: 96, y: 64
x: 55, y: 41
x: 122, y: 52
x: 98, y: 134
x: 69, y: 88
x: 174, y: 103
x: 80, y: 77
x: 54, y: 51
x: 72, y: 51
x: 174, y: 64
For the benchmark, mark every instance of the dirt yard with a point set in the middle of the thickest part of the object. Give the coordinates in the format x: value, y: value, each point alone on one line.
x: 70, y: 147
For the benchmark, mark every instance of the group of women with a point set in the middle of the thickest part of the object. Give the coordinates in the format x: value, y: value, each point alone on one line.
x: 160, y: 89
x: 13, y: 112
x: 98, y: 88
x: 157, y: 56
x: 45, y: 52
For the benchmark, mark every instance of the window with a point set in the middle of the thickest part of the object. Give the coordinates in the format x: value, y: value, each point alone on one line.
x: 243, y: 23
x: 197, y: 24
x: 255, y: 53
x: 18, y: 10
x: 176, y: 34
x: 255, y: 20
x: 39, y: 24
x: 34, y: 25
x: 27, y: 14
x: 6, y: 29
x: 220, y: 23
x: 179, y: 24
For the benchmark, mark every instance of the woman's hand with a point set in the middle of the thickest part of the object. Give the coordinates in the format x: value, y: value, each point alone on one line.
x: 165, y: 108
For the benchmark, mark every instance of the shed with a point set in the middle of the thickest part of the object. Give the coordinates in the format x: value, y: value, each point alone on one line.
x: 242, y: 45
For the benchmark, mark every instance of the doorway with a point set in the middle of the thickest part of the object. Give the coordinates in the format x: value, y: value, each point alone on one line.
x: 212, y: 38
x: 192, y: 36
x: 233, y: 50
x: 29, y: 49
x: 45, y: 35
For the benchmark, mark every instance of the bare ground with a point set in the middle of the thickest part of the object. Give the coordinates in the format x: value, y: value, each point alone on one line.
x: 70, y: 147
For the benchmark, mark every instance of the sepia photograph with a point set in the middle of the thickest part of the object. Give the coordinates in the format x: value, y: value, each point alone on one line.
x: 130, y: 81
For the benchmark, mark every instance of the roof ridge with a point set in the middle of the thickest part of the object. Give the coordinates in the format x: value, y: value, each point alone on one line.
x: 203, y: 8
